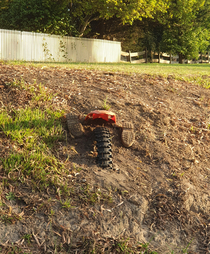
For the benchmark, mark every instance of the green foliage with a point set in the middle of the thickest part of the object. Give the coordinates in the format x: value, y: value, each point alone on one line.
x: 37, y: 16
x: 184, y: 32
x: 67, y: 204
x: 85, y: 11
x: 9, y: 219
x: 123, y: 247
x: 72, y: 18
x: 177, y: 27
x: 105, y: 105
x: 152, y: 35
x: 145, y: 246
x: 10, y: 196
x: 131, y: 10
x: 27, y: 237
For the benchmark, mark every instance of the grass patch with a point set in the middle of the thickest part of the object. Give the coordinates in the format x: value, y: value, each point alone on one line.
x: 34, y: 132
x: 195, y: 73
x: 105, y: 105
x: 67, y: 204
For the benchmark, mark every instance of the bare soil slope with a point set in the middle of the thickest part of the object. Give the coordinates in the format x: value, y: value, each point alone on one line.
x: 159, y: 187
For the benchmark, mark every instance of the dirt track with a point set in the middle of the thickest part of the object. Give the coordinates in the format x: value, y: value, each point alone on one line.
x: 159, y: 187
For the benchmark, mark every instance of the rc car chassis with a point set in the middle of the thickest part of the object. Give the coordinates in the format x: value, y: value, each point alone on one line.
x: 101, y: 121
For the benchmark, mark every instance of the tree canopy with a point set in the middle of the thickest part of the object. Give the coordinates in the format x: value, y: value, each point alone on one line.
x: 184, y: 33
x: 61, y: 16
x: 36, y: 16
x: 174, y: 26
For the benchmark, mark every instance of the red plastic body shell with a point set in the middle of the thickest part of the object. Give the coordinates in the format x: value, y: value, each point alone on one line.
x: 103, y: 114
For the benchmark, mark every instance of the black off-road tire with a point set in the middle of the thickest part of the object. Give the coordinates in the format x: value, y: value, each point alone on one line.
x: 102, y: 137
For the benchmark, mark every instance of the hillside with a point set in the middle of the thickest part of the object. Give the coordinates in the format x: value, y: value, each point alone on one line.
x: 157, y: 191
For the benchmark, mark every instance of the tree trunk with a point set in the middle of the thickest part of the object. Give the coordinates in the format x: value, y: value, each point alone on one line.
x: 87, y: 21
x: 181, y: 58
x: 151, y: 54
x: 158, y: 56
x: 146, y: 55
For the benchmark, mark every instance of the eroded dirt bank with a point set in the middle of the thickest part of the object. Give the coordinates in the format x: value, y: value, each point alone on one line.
x: 159, y: 188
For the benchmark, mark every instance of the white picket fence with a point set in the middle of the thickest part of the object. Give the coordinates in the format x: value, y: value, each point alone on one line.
x: 28, y: 46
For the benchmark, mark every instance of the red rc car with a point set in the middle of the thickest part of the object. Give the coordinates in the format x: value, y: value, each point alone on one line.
x: 101, y: 120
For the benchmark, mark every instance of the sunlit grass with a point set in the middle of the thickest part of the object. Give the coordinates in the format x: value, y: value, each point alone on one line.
x: 196, y: 73
x: 33, y: 134
x: 152, y: 69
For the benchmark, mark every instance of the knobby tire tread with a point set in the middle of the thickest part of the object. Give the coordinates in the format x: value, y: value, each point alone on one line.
x: 104, y: 157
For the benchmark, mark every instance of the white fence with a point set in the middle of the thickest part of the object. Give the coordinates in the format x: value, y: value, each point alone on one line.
x: 142, y: 57
x: 28, y: 46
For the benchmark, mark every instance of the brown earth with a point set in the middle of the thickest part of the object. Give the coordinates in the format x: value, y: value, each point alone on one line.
x: 159, y: 187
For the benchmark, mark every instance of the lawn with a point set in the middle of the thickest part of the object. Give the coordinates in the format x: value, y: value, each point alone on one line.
x: 198, y: 73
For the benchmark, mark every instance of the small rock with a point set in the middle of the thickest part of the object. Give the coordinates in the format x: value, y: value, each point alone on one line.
x: 166, y: 120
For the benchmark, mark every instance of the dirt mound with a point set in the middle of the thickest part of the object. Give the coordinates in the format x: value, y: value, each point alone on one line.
x: 159, y: 187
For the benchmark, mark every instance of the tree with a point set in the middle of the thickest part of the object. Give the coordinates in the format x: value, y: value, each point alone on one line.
x: 48, y: 16
x: 203, y: 18
x: 152, y: 36
x: 68, y: 16
x: 183, y: 33
x: 86, y: 11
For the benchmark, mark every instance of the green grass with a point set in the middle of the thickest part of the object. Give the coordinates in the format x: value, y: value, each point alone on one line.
x: 149, y: 68
x: 27, y: 238
x: 105, y: 106
x: 67, y: 204
x: 34, y: 131
x: 10, y: 196
x: 195, y: 73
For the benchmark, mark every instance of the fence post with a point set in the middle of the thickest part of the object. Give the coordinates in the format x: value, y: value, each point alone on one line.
x: 130, y: 56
